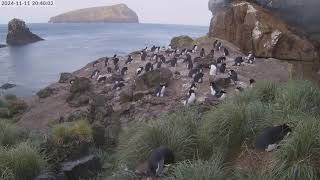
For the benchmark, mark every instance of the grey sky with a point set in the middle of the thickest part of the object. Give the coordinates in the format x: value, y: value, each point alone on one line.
x: 192, y: 12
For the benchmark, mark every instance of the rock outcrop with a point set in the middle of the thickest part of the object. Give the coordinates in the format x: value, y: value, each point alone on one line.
x: 2, y: 45
x: 7, y: 86
x: 19, y: 33
x: 253, y: 28
x: 119, y: 13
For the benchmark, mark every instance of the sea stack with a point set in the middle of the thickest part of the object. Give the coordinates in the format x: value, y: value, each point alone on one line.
x: 19, y: 33
x: 119, y: 13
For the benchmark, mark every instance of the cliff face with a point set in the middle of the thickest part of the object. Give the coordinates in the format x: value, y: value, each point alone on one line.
x: 254, y: 28
x: 117, y: 13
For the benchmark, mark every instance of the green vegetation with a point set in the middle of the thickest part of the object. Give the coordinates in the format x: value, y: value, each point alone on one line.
x: 9, y: 134
x: 197, y: 138
x: 182, y: 41
x: 10, y: 106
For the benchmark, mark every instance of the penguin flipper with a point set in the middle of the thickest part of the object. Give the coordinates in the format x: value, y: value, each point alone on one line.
x: 160, y: 167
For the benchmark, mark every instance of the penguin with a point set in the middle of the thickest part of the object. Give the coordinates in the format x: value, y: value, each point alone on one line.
x: 233, y: 76
x: 116, y: 68
x: 214, y: 89
x: 158, y: 50
x: 145, y: 49
x: 198, y: 78
x: 211, y: 53
x: 124, y: 71
x: 162, y: 58
x: 252, y: 82
x: 154, y: 57
x: 116, y: 79
x: 190, y: 65
x: 94, y: 74
x: 115, y: 61
x: 71, y: 81
x: 213, y: 70
x: 143, y: 55
x: 270, y: 137
x: 238, y: 61
x: 109, y: 70
x: 191, y: 98
x: 221, y: 60
x: 148, y: 67
x: 118, y: 86
x: 158, y: 160
x: 226, y: 52
x: 223, y: 68
x: 250, y: 58
x: 159, y: 64
x: 129, y: 60
x: 215, y: 44
x: 239, y: 89
x: 195, y: 48
x: 160, y: 90
x: 221, y: 95
x: 106, y: 62
x: 193, y: 87
x: 153, y: 48
x: 218, y: 45
x: 189, y: 58
x: 102, y: 78
x: 139, y: 70
x: 95, y: 63
x: 202, y: 52
x: 173, y: 62
x: 193, y: 72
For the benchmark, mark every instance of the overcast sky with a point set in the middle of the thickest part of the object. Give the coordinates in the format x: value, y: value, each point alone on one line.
x: 191, y: 12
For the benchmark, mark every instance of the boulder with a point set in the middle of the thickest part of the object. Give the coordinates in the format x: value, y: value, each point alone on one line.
x: 2, y: 45
x: 253, y: 28
x: 19, y: 33
x: 65, y: 77
x: 46, y: 92
x: 152, y: 79
x: 80, y: 92
x: 80, y: 85
x: 7, y: 86
x: 99, y: 110
x: 182, y: 42
x: 84, y: 168
x: 98, y: 134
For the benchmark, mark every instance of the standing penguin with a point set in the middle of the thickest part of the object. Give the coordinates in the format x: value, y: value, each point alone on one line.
x: 106, y: 62
x: 159, y: 64
x: 198, y: 78
x: 238, y: 61
x: 148, y: 67
x: 202, y: 52
x: 221, y: 95
x: 116, y: 61
x: 124, y: 71
x: 195, y: 48
x: 95, y: 74
x: 221, y: 59
x: 214, y: 89
x: 215, y: 44
x: 233, y: 76
x: 160, y: 90
x: 223, y: 68
x: 190, y: 65
x: 158, y: 159
x: 226, y: 52
x: 144, y: 55
x: 191, y: 99
x: 129, y: 60
x: 213, y: 70
x: 173, y: 62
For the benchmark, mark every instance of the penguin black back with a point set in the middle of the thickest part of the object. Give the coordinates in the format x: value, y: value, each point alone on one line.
x: 158, y: 159
x: 271, y: 135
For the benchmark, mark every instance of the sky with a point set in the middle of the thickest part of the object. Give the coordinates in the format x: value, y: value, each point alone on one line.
x: 188, y: 12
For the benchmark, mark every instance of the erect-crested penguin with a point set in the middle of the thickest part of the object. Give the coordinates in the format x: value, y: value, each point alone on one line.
x: 148, y: 67
x: 202, y: 52
x: 94, y: 74
x: 129, y: 60
x: 124, y: 70
x: 252, y: 82
x: 158, y: 159
x: 226, y: 52
x: 143, y: 55
x: 238, y: 61
x: 233, y: 76
x: 198, y: 78
x: 223, y: 68
x: 139, y: 70
x: 160, y: 90
x: 106, y: 61
x: 221, y: 95
x: 214, y: 89
x: 191, y: 98
x: 213, y: 70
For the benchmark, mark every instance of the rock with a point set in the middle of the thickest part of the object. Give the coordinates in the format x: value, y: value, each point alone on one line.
x: 80, y: 85
x: 182, y: 42
x: 152, y: 79
x: 98, y: 134
x: 46, y: 92
x: 65, y: 77
x: 223, y: 82
x: 77, y: 115
x: 119, y: 13
x: 2, y: 45
x: 19, y: 33
x: 7, y: 86
x: 84, y: 168
x: 252, y: 28
x: 99, y: 110
x: 45, y: 177
x: 78, y: 100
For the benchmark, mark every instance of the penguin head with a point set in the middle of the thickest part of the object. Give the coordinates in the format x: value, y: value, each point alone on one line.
x: 191, y: 92
x: 212, y: 84
x: 285, y: 128
x: 223, y: 92
x: 114, y: 56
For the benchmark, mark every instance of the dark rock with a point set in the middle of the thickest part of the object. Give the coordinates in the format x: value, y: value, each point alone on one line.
x: 19, y: 33
x: 98, y: 134
x: 80, y: 85
x: 65, y: 77
x: 7, y: 86
x: 2, y: 45
x: 84, y: 168
x: 78, y: 100
x: 223, y: 82
x: 46, y: 92
x: 152, y: 79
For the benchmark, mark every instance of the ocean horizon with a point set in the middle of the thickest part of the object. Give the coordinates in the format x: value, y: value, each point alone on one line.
x: 70, y: 46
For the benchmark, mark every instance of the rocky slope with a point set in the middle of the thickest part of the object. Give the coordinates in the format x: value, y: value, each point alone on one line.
x: 254, y: 28
x: 99, y: 102
x: 19, y: 33
x: 119, y: 13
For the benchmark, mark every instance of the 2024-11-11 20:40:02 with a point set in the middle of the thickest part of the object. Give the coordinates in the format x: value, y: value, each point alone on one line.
x: 27, y: 3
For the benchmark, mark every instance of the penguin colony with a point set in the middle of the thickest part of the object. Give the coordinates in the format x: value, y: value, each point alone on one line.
x: 157, y: 57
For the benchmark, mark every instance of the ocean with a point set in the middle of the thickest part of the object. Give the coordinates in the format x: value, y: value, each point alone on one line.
x: 68, y: 47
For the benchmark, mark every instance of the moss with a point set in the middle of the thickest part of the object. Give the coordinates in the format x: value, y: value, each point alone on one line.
x: 181, y: 42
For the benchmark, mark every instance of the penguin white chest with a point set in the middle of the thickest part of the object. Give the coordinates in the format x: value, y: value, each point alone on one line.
x: 213, y: 92
x: 213, y: 71
x: 162, y: 91
x: 191, y: 99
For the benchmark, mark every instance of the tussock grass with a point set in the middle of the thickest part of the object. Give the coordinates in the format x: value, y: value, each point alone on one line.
x: 204, y: 170
x: 22, y: 162
x: 9, y: 134
x: 299, y: 155
x: 176, y: 131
